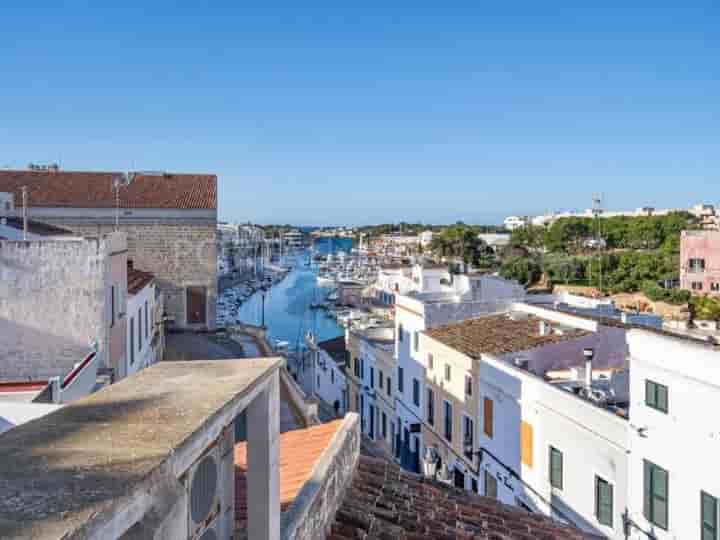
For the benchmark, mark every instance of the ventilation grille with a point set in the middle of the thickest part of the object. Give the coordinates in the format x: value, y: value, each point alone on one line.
x: 203, y: 491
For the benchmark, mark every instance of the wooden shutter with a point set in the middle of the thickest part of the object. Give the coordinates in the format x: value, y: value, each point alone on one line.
x: 488, y: 417
x: 526, y: 444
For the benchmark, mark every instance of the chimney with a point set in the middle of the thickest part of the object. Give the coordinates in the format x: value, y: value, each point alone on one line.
x: 544, y: 328
x: 588, y: 353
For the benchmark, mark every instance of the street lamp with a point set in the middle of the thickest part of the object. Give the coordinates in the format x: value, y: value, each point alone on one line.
x: 263, y: 292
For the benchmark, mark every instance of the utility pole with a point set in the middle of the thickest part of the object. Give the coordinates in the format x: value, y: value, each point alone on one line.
x: 597, y: 210
x: 24, y: 212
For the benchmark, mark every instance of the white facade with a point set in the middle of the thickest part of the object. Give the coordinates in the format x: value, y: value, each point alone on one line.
x: 684, y: 441
x: 141, y: 329
x: 514, y: 222
x: 425, y: 238
x: 327, y: 377
x: 437, y: 301
x: 593, y: 442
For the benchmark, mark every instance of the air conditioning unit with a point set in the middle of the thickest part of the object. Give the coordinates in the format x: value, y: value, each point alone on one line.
x: 203, y: 483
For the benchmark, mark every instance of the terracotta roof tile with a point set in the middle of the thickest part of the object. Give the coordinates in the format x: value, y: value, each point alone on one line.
x: 385, y: 502
x: 498, y: 334
x: 299, y: 451
x: 83, y: 189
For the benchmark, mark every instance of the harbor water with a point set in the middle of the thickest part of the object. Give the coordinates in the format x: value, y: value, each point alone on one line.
x: 288, y: 316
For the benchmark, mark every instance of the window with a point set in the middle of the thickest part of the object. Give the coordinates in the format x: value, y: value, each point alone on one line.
x: 715, y: 286
x: 400, y: 332
x: 332, y: 376
x: 318, y: 381
x: 655, y: 500
x: 697, y: 286
x: 488, y: 417
x: 656, y: 396
x: 447, y: 372
x: 416, y: 392
x: 696, y: 265
x: 112, y: 306
x: 708, y: 516
x: 383, y: 425
x: 603, y: 502
x: 357, y: 368
x: 526, y: 444
x: 380, y: 379
x: 468, y: 437
x: 139, y: 322
x: 401, y: 380
x: 362, y: 368
x: 146, y: 321
x: 416, y: 341
x: 556, y: 468
x: 468, y: 385
x: 490, y: 485
x: 389, y: 387
x: 372, y: 377
x: 430, y: 407
x: 132, y: 341
x: 431, y: 361
x: 448, y: 421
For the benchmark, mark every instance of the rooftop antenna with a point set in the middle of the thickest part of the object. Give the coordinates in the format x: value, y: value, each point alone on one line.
x: 24, y: 212
x: 597, y: 211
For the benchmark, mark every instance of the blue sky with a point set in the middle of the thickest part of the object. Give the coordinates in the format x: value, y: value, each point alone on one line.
x: 327, y: 112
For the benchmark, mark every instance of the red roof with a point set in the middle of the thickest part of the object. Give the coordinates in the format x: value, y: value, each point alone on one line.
x: 75, y: 189
x: 137, y: 280
x: 299, y: 450
x: 22, y: 386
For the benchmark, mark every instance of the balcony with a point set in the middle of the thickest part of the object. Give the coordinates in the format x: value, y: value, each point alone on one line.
x: 149, y: 457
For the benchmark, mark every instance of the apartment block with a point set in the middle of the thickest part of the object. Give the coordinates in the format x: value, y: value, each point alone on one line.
x: 700, y: 262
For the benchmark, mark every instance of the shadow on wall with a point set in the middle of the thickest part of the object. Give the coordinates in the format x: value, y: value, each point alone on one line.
x: 45, y: 460
x: 30, y: 353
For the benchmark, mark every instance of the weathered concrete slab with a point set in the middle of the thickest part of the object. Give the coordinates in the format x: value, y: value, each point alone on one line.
x: 60, y: 471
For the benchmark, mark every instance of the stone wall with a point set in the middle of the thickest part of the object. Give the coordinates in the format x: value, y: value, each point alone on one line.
x: 313, y: 510
x: 180, y: 254
x: 53, y: 305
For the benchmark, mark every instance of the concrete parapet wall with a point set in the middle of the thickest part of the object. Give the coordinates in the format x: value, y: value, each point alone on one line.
x: 313, y: 511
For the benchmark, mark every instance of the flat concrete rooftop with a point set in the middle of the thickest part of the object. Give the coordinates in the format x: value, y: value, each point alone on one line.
x: 62, y: 470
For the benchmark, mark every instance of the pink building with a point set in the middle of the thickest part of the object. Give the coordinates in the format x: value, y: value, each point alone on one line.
x: 700, y: 262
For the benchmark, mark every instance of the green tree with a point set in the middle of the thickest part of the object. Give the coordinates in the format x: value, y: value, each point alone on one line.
x: 460, y: 242
x: 525, y: 270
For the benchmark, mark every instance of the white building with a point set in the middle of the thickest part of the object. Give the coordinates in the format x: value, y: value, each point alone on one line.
x: 145, y: 335
x: 438, y: 298
x: 552, y: 434
x: 674, y: 480
x: 514, y: 222
x: 425, y: 238
x: 324, y: 375
x: 392, y: 279
x: 496, y: 241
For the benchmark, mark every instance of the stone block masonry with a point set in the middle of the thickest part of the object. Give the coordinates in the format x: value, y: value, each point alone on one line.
x: 181, y: 254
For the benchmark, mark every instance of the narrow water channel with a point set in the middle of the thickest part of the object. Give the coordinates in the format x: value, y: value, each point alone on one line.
x: 288, y: 316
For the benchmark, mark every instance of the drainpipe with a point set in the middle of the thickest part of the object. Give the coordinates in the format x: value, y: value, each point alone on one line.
x: 588, y: 353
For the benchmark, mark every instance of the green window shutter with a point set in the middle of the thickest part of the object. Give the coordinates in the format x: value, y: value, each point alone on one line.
x: 660, y: 497
x: 662, y: 398
x: 708, y: 516
x: 647, y: 489
x: 556, y: 468
x: 650, y: 400
x: 603, y: 502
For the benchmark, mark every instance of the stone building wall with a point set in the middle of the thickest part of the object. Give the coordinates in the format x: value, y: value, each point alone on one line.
x: 180, y: 254
x: 53, y: 305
